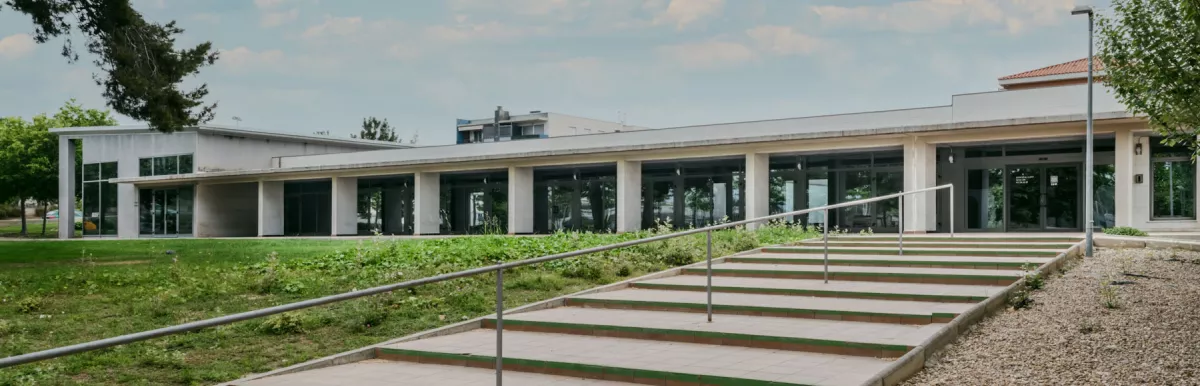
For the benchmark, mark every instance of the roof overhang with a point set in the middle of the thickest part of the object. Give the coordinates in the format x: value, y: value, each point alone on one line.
x: 1049, y: 78
x: 79, y: 132
x: 896, y: 130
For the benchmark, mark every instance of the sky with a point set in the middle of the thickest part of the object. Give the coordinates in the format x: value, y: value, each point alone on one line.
x: 323, y: 65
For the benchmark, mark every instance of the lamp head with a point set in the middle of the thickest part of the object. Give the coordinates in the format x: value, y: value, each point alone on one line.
x: 1082, y: 10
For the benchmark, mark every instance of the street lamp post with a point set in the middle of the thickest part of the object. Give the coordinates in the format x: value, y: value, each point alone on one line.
x: 1089, y: 169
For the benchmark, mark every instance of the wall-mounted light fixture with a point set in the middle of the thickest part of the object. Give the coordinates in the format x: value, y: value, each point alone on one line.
x: 951, y: 157
x: 678, y: 172
x: 1137, y: 147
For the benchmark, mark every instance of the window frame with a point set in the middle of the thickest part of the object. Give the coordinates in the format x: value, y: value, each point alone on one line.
x: 1153, y: 186
x: 154, y: 161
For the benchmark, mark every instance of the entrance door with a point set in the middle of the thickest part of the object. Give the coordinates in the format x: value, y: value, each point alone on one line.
x: 1043, y: 198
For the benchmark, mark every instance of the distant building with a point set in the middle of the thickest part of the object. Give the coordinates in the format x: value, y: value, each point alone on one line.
x: 534, y: 125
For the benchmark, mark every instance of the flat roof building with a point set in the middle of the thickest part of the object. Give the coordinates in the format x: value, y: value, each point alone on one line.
x: 1015, y: 157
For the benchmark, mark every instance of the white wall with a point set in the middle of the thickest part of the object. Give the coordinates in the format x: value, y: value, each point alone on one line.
x: 1038, y: 102
x: 227, y: 210
x: 126, y: 149
x: 559, y: 125
x: 220, y: 152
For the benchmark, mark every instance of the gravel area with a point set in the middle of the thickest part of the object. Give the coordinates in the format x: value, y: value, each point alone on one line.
x: 1069, y: 336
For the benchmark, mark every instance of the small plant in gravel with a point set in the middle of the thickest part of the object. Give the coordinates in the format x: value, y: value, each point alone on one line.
x: 1088, y: 326
x: 1033, y: 279
x: 1020, y: 299
x: 1125, y: 231
x: 29, y: 304
x: 1109, y: 297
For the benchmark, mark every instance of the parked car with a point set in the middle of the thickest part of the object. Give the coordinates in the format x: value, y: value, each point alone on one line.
x: 53, y: 215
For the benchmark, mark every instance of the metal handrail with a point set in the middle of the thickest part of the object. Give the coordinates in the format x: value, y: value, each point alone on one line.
x: 498, y: 268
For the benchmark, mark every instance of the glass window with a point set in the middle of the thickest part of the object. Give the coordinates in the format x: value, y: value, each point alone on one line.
x: 1174, y: 184
x: 186, y: 203
x: 185, y: 164
x: 145, y: 167
x: 91, y: 172
x: 985, y: 199
x: 1104, y: 184
x: 91, y: 207
x: 146, y: 211
x: 108, y: 170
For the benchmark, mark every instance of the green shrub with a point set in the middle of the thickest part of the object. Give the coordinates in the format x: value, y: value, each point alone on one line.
x: 1125, y: 231
x: 543, y: 282
x: 624, y: 271
x: 282, y: 324
x: 29, y: 304
x: 1109, y: 297
x: 1033, y: 279
x: 1020, y: 299
x: 7, y: 327
x: 583, y: 268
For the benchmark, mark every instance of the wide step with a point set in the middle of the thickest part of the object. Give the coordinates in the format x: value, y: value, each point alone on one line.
x: 938, y: 244
x: 892, y: 250
x: 974, y: 262
x: 630, y: 360
x: 853, y: 273
x: 855, y: 310
x: 833, y: 289
x: 830, y: 337
x: 378, y: 372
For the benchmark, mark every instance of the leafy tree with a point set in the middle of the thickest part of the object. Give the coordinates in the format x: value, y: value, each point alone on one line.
x: 29, y: 155
x: 375, y: 129
x: 1151, y: 55
x: 143, y: 69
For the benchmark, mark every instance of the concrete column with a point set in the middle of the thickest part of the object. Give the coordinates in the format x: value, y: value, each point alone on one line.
x: 920, y: 171
x: 427, y: 203
x: 520, y: 200
x: 270, y: 208
x: 66, y: 187
x: 344, y: 210
x: 1124, y: 170
x: 629, y: 196
x: 758, y: 187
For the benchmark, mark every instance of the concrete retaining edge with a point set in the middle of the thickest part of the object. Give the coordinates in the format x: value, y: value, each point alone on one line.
x: 368, y: 352
x: 913, y: 361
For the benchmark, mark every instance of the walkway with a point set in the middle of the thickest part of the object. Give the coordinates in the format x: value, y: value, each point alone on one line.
x: 776, y: 322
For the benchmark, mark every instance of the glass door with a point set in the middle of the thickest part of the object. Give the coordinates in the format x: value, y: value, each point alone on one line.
x: 1043, y: 198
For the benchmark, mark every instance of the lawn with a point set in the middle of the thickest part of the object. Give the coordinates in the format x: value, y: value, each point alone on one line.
x: 10, y: 228
x: 59, y: 293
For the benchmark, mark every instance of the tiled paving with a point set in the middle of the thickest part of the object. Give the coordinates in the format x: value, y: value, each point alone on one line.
x: 775, y: 322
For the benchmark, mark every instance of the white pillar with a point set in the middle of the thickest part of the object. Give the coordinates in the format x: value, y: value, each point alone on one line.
x: 270, y: 208
x: 1124, y: 170
x: 344, y: 209
x: 520, y: 200
x: 66, y: 188
x: 629, y: 196
x: 920, y: 171
x: 758, y: 187
x: 427, y: 203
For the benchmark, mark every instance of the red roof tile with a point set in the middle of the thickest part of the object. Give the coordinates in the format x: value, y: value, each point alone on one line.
x: 1074, y: 66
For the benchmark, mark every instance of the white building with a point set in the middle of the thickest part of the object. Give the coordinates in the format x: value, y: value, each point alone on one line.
x: 1015, y: 157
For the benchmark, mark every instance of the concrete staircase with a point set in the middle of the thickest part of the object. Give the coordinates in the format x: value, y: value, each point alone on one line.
x: 776, y: 322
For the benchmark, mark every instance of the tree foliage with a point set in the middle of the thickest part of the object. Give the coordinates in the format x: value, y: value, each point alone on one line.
x: 143, y: 69
x: 29, y: 153
x: 378, y: 130
x: 1151, y: 55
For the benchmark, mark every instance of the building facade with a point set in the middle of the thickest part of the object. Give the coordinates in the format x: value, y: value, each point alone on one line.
x: 1015, y: 157
x: 535, y: 125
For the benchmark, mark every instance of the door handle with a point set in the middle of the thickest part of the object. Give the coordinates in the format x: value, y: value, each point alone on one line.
x: 1042, y: 201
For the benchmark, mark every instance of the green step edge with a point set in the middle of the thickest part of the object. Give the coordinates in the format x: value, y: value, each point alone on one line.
x: 968, y: 238
x: 726, y: 307
x: 707, y: 334
x: 595, y: 369
x: 846, y: 243
x: 808, y: 292
x: 737, y: 259
x: 925, y: 252
x: 885, y: 274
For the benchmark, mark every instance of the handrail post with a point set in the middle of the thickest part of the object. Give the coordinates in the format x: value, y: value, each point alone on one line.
x: 951, y: 211
x: 826, y: 219
x: 499, y: 326
x: 901, y: 225
x: 708, y: 236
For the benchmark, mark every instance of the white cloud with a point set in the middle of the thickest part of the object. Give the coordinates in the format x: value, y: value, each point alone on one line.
x: 1014, y: 16
x: 334, y: 26
x: 16, y: 46
x: 707, y: 55
x: 275, y: 19
x: 681, y: 13
x: 264, y: 4
x: 781, y: 40
x: 207, y: 17
x: 483, y: 31
x: 244, y: 59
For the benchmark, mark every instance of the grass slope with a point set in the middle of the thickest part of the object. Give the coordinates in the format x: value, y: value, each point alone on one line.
x: 59, y: 293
